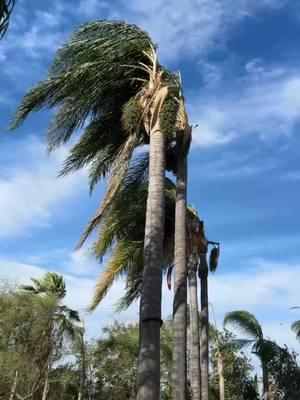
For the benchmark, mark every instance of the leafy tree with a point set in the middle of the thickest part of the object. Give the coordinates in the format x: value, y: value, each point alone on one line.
x: 236, y: 368
x: 285, y: 374
x: 6, y: 7
x: 263, y: 348
x: 61, y: 321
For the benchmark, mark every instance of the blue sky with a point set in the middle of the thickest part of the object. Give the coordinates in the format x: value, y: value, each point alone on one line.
x: 240, y: 65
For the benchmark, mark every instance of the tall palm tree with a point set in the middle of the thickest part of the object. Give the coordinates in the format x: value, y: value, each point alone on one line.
x: 62, y: 321
x: 203, y: 270
x: 263, y: 348
x: 6, y: 7
x: 183, y: 135
x: 109, y: 74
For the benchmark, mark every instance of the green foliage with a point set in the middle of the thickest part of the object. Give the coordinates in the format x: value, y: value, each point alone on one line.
x: 237, y: 369
x: 296, y: 329
x: 246, y: 322
x: 285, y: 374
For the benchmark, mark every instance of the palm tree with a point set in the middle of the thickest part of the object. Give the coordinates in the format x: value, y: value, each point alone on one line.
x: 263, y: 348
x: 109, y: 74
x: 183, y: 135
x: 203, y: 271
x: 6, y: 7
x: 296, y: 328
x: 62, y: 320
x: 214, y: 336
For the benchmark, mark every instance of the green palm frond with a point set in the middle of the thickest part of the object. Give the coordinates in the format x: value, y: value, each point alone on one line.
x: 265, y: 349
x: 296, y: 329
x: 51, y: 284
x: 246, y: 322
x: 6, y: 7
x: 123, y: 257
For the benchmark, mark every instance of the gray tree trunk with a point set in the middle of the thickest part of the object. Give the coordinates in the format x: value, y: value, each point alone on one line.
x: 220, y: 372
x: 180, y: 286
x: 14, y: 387
x: 82, y: 369
x: 204, y: 353
x: 148, y: 376
x: 194, y: 326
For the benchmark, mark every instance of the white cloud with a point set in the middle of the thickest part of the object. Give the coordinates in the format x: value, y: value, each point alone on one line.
x: 185, y: 26
x: 268, y: 107
x: 29, y: 191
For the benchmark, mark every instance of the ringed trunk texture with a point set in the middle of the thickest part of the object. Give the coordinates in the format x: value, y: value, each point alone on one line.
x: 148, y: 375
x: 265, y: 377
x: 195, y: 337
x: 204, y: 354
x: 14, y: 387
x: 180, y: 286
x: 220, y: 373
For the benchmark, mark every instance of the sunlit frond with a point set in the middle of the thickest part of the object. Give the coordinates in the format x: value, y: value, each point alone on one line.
x: 245, y: 322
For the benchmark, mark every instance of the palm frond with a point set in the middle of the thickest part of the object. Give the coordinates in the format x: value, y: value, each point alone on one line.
x: 296, y: 329
x: 6, y: 7
x: 123, y: 257
x: 246, y: 322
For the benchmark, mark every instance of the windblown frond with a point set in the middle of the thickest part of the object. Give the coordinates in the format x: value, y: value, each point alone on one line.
x: 6, y: 7
x: 51, y: 284
x: 246, y: 322
x: 123, y: 257
x: 296, y: 329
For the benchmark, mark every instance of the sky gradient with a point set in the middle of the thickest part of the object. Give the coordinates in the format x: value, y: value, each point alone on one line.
x: 240, y: 66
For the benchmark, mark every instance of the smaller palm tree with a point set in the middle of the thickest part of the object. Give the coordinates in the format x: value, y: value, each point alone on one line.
x: 6, y: 7
x: 63, y: 319
x: 263, y: 348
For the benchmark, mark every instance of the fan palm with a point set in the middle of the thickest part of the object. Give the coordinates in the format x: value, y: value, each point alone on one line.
x: 63, y: 319
x: 108, y: 74
x: 263, y: 348
x: 6, y: 7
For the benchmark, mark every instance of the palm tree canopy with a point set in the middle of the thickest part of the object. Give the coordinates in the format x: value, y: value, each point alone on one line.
x: 6, y: 7
x: 296, y: 328
x: 51, y: 284
x: 100, y: 80
x: 245, y: 322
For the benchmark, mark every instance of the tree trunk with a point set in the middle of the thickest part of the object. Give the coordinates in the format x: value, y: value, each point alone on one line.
x: 204, y: 353
x: 82, y: 369
x: 180, y: 286
x: 46, y: 384
x: 265, y: 373
x: 220, y: 372
x: 148, y: 376
x: 14, y: 387
x: 194, y: 326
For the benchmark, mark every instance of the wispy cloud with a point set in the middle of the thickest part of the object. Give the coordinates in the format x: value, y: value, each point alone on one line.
x: 263, y: 102
x: 29, y: 190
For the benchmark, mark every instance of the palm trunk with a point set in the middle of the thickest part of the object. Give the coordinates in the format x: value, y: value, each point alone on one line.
x: 14, y: 387
x: 46, y: 384
x: 204, y: 354
x: 195, y: 337
x: 220, y: 372
x: 180, y: 286
x: 148, y: 379
x: 265, y: 373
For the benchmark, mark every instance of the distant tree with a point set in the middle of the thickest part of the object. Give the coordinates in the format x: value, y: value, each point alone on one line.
x: 236, y: 369
x: 263, y: 348
x: 6, y: 7
x: 285, y: 374
x: 296, y: 328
